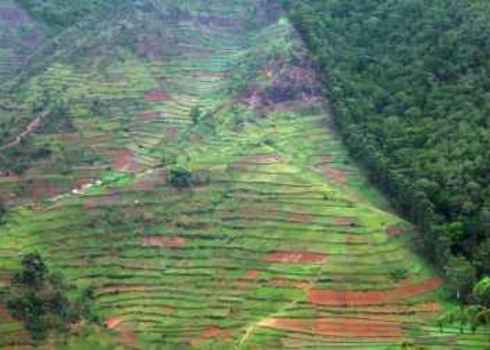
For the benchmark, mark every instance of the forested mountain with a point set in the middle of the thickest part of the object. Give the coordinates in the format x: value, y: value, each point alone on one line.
x: 409, y: 82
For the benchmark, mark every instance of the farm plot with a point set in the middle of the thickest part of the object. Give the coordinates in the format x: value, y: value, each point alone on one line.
x: 271, y: 245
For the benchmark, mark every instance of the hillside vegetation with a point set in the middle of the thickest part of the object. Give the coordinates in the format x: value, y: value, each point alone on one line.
x: 410, y: 85
x: 171, y: 179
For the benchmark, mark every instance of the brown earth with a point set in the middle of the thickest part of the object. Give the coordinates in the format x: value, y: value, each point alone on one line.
x: 338, y: 327
x: 336, y: 175
x: 124, y: 160
x: 296, y: 257
x: 172, y: 133
x: 253, y: 274
x: 157, y: 96
x: 395, y: 231
x: 152, y: 181
x: 211, y: 333
x: 345, y: 221
x: 164, y: 242
x: 102, y: 201
x: 300, y: 218
x: 149, y: 116
x: 405, y: 290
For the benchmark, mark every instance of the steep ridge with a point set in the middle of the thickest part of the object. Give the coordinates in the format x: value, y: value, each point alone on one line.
x: 277, y: 244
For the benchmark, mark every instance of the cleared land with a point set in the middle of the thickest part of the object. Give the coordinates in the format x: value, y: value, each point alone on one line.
x: 278, y: 244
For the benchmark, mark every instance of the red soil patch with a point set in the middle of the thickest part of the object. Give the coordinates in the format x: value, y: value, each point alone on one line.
x: 349, y: 298
x: 300, y: 218
x: 336, y: 175
x: 112, y: 323
x: 149, y: 116
x: 325, y: 160
x: 127, y: 336
x: 395, y: 231
x: 253, y: 274
x: 345, y: 221
x: 210, y: 333
x: 263, y: 159
x: 151, y: 181
x: 338, y: 327
x: 102, y: 201
x: 43, y: 188
x: 166, y: 242
x: 172, y: 133
x: 124, y: 160
x: 296, y: 257
x: 157, y: 96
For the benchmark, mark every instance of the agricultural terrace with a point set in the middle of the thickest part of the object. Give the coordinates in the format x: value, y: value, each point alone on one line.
x: 273, y: 241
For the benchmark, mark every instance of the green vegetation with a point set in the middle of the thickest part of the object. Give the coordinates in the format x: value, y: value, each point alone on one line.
x: 193, y: 182
x: 408, y: 81
x: 39, y: 299
x: 61, y: 14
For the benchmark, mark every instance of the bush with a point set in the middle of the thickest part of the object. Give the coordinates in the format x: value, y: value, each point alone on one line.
x: 39, y: 299
x: 181, y: 178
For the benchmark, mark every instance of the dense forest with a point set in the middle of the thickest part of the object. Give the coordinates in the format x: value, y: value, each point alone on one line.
x: 409, y: 83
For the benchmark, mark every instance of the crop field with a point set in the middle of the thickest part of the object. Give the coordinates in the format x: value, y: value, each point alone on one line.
x: 280, y: 242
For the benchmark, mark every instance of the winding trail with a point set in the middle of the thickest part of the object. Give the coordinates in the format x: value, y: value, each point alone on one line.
x: 33, y: 126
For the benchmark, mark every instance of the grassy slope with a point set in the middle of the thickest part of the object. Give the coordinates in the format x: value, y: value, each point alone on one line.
x: 190, y: 268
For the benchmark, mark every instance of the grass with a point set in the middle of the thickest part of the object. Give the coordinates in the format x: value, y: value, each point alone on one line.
x: 266, y: 192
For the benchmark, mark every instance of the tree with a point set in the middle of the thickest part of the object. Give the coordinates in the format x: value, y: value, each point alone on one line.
x: 196, y: 114
x: 482, y: 291
x: 461, y: 276
x: 181, y: 178
x: 3, y: 211
x: 39, y: 299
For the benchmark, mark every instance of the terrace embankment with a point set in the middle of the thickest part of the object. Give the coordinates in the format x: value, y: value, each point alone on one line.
x: 271, y: 246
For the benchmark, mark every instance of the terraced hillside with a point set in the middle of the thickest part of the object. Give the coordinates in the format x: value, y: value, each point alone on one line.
x: 193, y: 178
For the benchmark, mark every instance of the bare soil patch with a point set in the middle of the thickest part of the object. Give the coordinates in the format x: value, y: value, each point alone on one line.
x: 151, y: 181
x: 149, y: 116
x: 102, y: 201
x: 336, y: 175
x: 43, y: 188
x: 395, y: 231
x: 164, y: 242
x: 352, y: 298
x: 157, y: 96
x: 172, y: 133
x: 338, y: 327
x: 124, y: 160
x: 296, y: 257
x: 300, y: 218
x: 113, y: 322
x: 250, y: 162
x: 252, y: 275
x: 211, y: 333
x: 345, y: 221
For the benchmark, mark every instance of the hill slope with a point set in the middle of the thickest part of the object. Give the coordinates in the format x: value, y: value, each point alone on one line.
x: 190, y: 175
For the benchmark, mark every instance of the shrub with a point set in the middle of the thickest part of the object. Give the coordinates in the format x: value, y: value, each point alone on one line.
x: 39, y: 299
x: 181, y: 178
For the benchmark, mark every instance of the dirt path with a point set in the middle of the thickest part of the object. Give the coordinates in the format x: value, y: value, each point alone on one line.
x: 35, y: 124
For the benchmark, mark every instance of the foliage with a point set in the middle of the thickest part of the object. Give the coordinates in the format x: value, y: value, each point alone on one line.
x: 40, y: 299
x: 181, y: 178
x: 408, y: 82
x: 61, y: 14
x: 482, y: 291
x: 398, y: 274
x: 3, y: 212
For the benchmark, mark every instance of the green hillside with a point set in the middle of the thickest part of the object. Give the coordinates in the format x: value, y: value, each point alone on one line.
x: 177, y: 169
